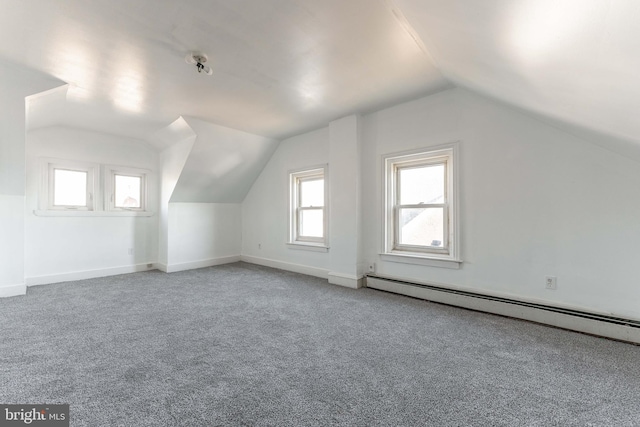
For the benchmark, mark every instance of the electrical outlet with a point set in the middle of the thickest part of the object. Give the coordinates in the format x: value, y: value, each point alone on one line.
x: 372, y: 267
x: 149, y: 265
x: 259, y: 245
x: 550, y: 282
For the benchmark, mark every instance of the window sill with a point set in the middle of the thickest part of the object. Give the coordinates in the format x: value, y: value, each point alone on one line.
x: 71, y: 212
x: 430, y: 261
x: 308, y: 247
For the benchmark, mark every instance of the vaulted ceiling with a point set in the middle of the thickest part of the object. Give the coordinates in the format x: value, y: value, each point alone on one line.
x: 281, y: 67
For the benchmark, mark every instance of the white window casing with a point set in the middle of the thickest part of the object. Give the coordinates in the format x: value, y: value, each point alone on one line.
x: 77, y: 188
x: 299, y: 208
x: 68, y: 185
x: 431, y: 228
x: 114, y: 176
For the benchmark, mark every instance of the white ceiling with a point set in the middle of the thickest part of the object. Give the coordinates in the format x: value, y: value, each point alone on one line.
x: 282, y: 67
x: 573, y: 61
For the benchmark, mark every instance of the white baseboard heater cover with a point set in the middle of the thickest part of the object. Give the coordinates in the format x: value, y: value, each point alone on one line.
x: 596, y: 324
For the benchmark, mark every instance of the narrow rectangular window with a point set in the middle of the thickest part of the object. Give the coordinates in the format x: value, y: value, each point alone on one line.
x: 420, y: 204
x: 308, y: 210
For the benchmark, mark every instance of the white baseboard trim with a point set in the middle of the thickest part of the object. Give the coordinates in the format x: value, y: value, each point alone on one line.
x: 347, y: 280
x: 13, y: 290
x: 172, y: 268
x: 86, y: 274
x: 539, y: 315
x: 288, y: 266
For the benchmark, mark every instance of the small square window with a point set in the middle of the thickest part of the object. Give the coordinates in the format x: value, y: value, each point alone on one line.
x: 125, y: 189
x: 70, y: 187
x: 128, y: 191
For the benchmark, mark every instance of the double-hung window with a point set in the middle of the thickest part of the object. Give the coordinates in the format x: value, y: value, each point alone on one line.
x: 308, y: 216
x: 421, y: 204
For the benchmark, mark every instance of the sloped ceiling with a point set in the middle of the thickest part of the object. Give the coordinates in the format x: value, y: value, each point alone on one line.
x: 280, y: 67
x: 574, y: 62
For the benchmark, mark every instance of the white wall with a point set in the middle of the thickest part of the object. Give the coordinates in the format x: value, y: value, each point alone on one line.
x: 534, y: 202
x: 172, y: 160
x: 203, y: 234
x: 15, y: 84
x: 64, y: 248
x: 265, y: 210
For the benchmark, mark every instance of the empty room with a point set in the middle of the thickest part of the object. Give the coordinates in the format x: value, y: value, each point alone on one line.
x: 319, y: 212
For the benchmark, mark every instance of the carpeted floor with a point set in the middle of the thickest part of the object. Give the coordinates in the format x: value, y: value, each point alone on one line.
x: 241, y: 344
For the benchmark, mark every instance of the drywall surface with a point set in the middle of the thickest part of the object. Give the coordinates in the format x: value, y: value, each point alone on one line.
x: 59, y: 246
x: 178, y: 140
x: 15, y: 84
x: 202, y: 234
x: 265, y: 210
x: 534, y: 202
x: 344, y: 187
x: 222, y: 164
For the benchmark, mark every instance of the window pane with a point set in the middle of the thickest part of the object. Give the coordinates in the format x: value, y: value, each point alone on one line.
x: 70, y: 188
x: 311, y: 222
x: 312, y: 193
x: 422, y: 227
x: 127, y: 192
x: 423, y: 184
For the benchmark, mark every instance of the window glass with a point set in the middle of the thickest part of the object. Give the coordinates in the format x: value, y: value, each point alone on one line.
x: 128, y: 191
x: 69, y: 188
x: 311, y: 223
x: 421, y: 227
x: 422, y: 185
x: 312, y: 192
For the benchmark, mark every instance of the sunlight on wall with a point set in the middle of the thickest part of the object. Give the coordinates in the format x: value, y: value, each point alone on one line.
x: 540, y: 28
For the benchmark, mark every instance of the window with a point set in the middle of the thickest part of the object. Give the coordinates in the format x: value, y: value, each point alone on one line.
x: 77, y: 188
x: 421, y: 204
x: 125, y: 189
x: 70, y: 186
x: 308, y: 207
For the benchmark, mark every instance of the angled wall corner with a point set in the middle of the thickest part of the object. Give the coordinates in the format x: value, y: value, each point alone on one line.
x: 222, y: 165
x: 177, y: 139
x: 16, y: 83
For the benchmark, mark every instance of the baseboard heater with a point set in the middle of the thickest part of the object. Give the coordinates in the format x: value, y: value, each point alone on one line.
x: 582, y: 321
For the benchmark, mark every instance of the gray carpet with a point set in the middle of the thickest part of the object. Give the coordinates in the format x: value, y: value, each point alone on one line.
x: 246, y: 345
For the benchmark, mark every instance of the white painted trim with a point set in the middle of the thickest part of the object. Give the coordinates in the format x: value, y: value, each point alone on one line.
x: 13, y: 290
x: 421, y: 260
x: 161, y: 266
x: 172, y: 268
x: 307, y: 247
x: 281, y: 265
x: 86, y: 274
x: 346, y: 280
x: 71, y: 212
x: 561, y: 320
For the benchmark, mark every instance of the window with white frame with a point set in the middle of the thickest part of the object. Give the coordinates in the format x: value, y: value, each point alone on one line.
x: 421, y: 203
x: 125, y: 189
x: 308, y: 207
x: 78, y: 188
x: 70, y: 185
